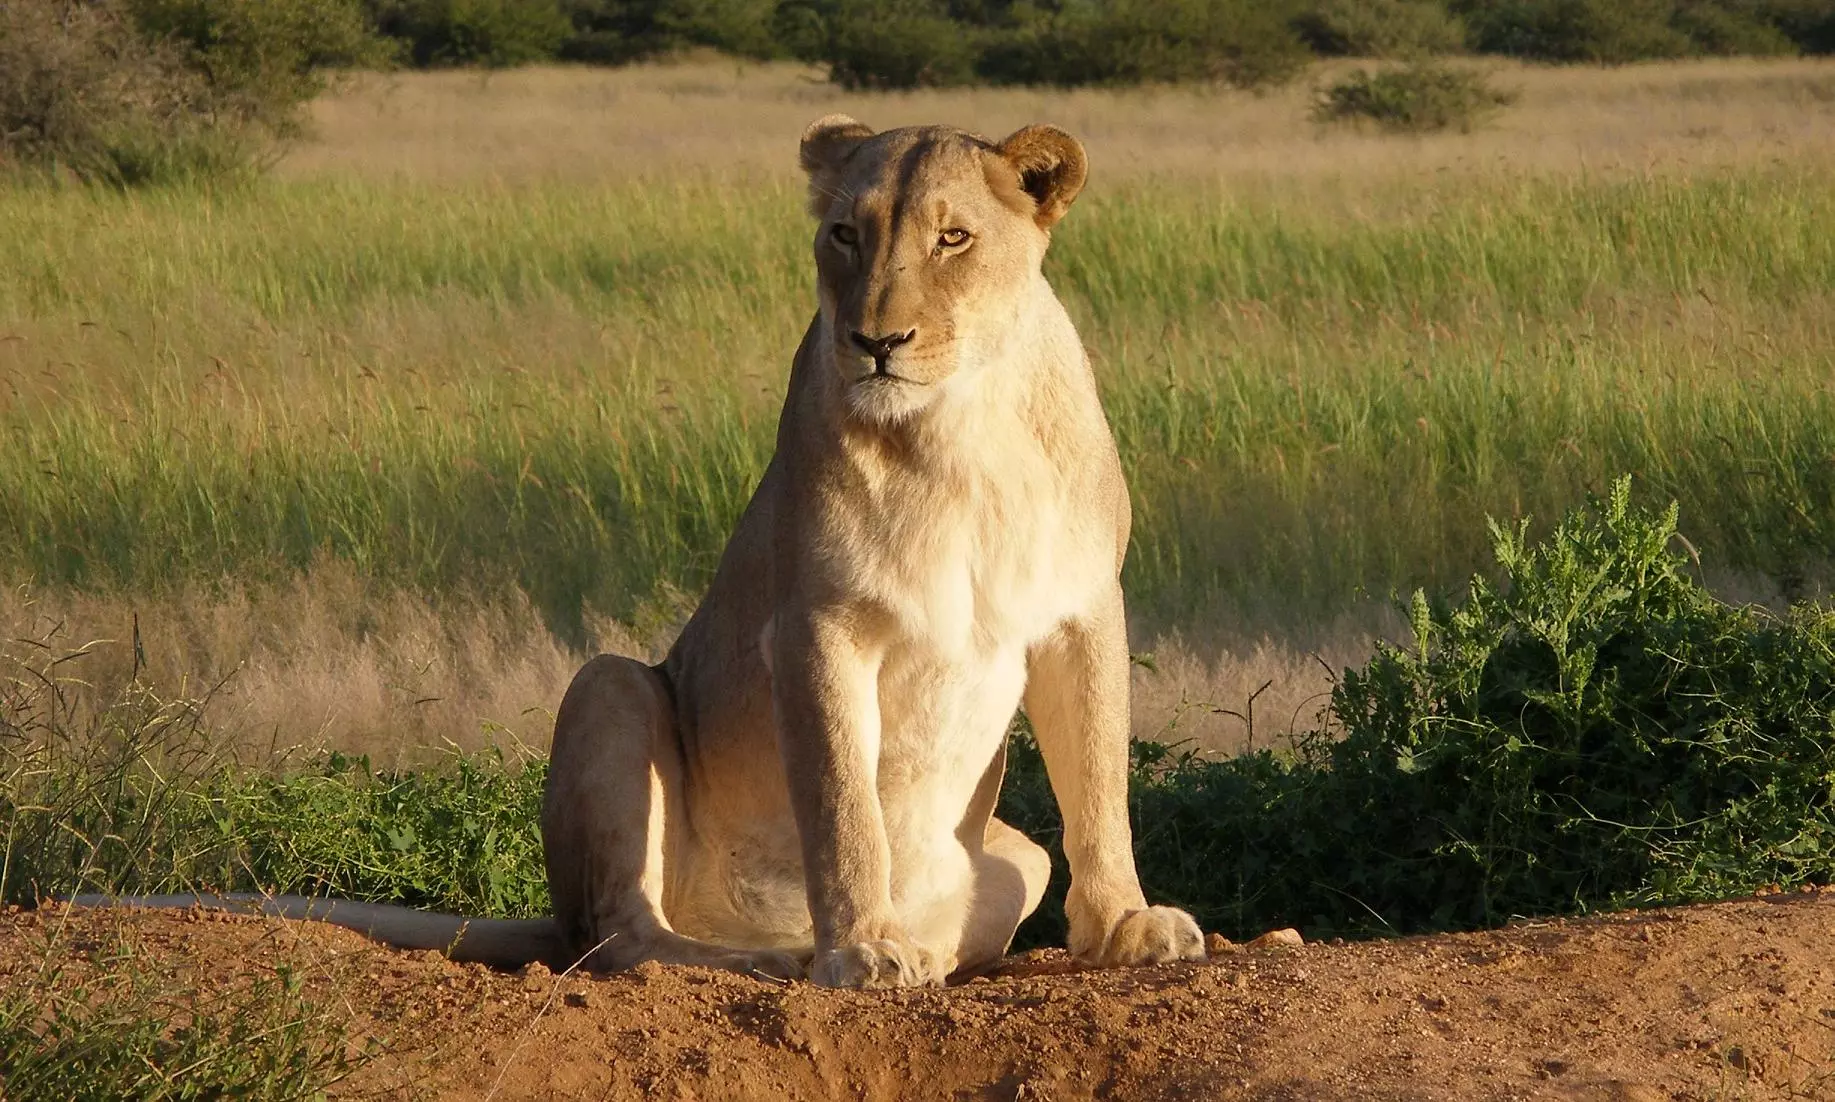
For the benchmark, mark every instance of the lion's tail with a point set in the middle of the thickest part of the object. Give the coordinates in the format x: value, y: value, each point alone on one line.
x: 498, y: 942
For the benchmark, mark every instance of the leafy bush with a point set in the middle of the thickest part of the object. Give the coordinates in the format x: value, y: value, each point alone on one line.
x: 926, y: 42
x: 617, y: 31
x: 746, y: 28
x: 1722, y: 31
x: 1609, y: 31
x: 490, y: 33
x: 907, y: 45
x: 1138, y: 41
x: 139, y: 797
x: 262, y: 59
x: 1424, y: 96
x: 1809, y: 24
x: 81, y: 89
x: 1617, y: 31
x: 1380, y: 28
x: 147, y: 91
x: 1592, y: 731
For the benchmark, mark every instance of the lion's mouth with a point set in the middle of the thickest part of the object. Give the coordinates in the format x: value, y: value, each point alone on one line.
x: 882, y: 376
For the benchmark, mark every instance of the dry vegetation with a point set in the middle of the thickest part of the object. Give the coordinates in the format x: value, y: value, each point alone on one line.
x: 720, y: 117
x: 409, y: 279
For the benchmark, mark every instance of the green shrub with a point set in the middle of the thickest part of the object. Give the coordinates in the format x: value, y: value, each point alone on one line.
x: 1422, y: 97
x: 612, y: 32
x: 139, y: 797
x: 490, y: 33
x: 153, y: 91
x: 1721, y: 31
x: 262, y: 60
x: 1617, y: 31
x: 924, y: 42
x: 1809, y: 24
x: 1591, y: 731
x: 744, y: 28
x: 866, y: 44
x: 1380, y: 28
x: 83, y: 91
x: 1142, y: 41
x: 1608, y: 31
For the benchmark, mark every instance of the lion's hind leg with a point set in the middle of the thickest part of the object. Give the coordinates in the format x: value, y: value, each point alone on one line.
x: 1010, y: 877
x: 610, y: 814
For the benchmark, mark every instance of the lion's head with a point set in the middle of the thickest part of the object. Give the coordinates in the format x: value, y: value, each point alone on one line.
x: 928, y: 249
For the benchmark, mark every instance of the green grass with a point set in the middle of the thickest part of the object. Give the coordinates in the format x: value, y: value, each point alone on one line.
x: 571, y: 388
x: 141, y: 796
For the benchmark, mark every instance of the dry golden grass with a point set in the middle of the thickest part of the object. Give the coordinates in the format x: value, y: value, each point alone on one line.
x: 325, y: 662
x: 329, y: 661
x: 725, y: 116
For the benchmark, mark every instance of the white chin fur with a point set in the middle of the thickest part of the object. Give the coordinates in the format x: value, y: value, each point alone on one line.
x: 887, y: 403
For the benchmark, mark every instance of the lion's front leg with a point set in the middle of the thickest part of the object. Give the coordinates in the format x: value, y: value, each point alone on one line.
x: 1077, y: 699
x: 824, y: 687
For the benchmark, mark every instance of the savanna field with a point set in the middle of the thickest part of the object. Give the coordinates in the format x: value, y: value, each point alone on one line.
x: 318, y: 486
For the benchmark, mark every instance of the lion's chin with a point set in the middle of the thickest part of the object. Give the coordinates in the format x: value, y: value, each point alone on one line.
x: 887, y: 400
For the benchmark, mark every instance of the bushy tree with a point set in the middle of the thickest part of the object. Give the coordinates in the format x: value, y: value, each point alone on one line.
x: 614, y: 31
x: 1380, y: 28
x: 491, y: 33
x: 1134, y: 41
x: 1617, y: 31
x: 145, y: 91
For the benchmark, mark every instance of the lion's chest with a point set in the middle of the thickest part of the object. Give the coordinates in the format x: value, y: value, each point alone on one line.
x: 966, y: 576
x: 962, y: 576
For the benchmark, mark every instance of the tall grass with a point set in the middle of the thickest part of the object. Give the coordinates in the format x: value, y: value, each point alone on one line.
x: 571, y: 388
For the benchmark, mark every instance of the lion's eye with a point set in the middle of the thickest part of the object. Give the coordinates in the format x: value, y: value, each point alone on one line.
x: 953, y: 239
x: 844, y: 235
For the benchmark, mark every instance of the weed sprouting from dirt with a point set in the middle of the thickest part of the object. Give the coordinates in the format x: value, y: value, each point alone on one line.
x: 95, y: 1021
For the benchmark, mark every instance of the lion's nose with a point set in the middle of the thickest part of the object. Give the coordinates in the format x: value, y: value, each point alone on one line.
x: 880, y: 348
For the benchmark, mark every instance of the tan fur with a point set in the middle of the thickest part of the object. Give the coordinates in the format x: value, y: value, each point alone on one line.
x: 811, y: 773
x: 806, y: 784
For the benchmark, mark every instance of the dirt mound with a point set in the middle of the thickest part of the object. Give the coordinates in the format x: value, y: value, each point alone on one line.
x: 1735, y: 1000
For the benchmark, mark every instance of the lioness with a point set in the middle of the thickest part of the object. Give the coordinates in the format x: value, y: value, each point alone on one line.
x: 807, y: 783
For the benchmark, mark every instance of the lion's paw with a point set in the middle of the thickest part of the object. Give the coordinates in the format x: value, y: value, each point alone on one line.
x: 769, y: 964
x: 1153, y: 935
x: 879, y: 964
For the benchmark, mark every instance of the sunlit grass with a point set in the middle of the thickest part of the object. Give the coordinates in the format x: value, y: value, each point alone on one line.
x: 1300, y: 403
x: 572, y: 388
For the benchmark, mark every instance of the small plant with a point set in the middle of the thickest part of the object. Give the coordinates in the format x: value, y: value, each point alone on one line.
x: 89, y: 1019
x: 1421, y: 97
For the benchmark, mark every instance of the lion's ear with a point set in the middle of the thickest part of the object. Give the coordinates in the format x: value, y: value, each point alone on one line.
x: 827, y: 143
x: 1051, y: 166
